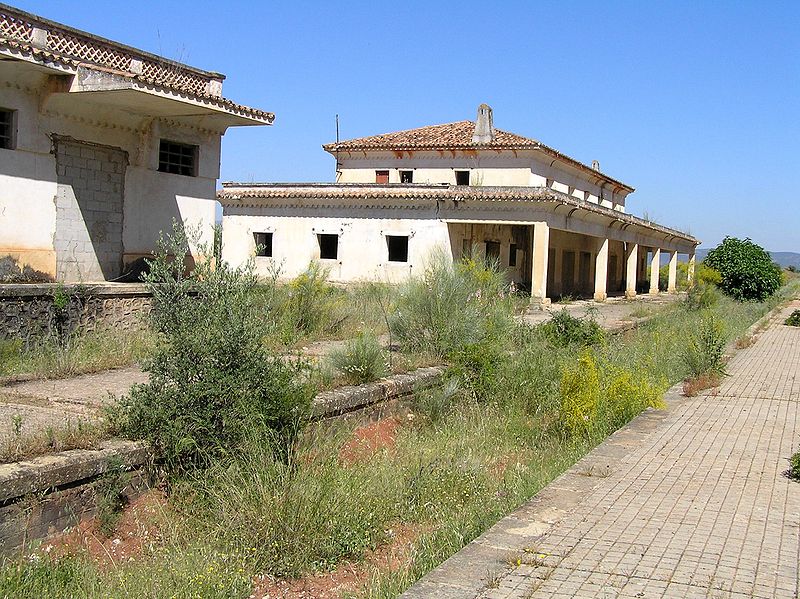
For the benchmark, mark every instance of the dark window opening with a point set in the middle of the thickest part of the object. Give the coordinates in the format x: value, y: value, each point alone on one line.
x: 381, y: 176
x: 263, y: 244
x: 462, y: 177
x: 398, y: 248
x: 177, y: 158
x: 406, y: 176
x: 328, y: 246
x: 512, y: 255
x: 493, y: 251
x: 6, y: 129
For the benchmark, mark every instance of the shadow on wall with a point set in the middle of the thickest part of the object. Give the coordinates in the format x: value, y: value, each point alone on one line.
x: 11, y: 272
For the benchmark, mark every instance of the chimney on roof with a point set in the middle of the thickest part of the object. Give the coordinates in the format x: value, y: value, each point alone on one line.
x: 484, y: 130
x: 596, y: 165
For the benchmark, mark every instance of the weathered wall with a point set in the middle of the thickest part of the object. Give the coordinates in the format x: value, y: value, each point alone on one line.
x: 29, y: 185
x: 29, y: 310
x: 363, y: 251
x: 487, y: 168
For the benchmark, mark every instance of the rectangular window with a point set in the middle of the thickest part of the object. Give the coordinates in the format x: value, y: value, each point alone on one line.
x: 177, y: 158
x: 263, y: 244
x: 328, y: 246
x: 7, y: 129
x: 493, y: 251
x: 406, y: 176
x: 398, y: 248
x: 381, y: 176
x: 512, y: 255
x: 462, y: 177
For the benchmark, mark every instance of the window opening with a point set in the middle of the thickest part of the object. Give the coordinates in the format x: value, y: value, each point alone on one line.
x: 462, y: 177
x: 263, y: 244
x: 381, y: 176
x: 6, y: 129
x: 398, y: 248
x: 328, y: 246
x: 512, y: 255
x: 177, y: 158
x: 493, y: 251
x: 406, y: 176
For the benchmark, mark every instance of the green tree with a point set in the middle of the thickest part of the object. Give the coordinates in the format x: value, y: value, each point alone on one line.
x: 747, y: 270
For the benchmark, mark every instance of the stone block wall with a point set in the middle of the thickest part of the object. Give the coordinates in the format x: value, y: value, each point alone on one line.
x: 28, y: 311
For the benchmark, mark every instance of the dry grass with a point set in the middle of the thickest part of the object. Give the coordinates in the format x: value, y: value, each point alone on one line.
x: 693, y: 386
x: 78, y: 434
x: 745, y: 341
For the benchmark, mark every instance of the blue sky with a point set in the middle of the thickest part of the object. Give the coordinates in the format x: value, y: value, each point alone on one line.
x: 696, y: 104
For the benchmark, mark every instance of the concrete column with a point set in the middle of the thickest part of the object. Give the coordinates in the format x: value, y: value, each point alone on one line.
x: 654, y: 266
x: 631, y: 269
x: 539, y: 258
x: 601, y: 272
x: 673, y: 272
x: 690, y: 269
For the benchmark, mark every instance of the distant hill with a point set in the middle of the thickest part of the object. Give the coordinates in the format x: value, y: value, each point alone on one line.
x: 784, y: 259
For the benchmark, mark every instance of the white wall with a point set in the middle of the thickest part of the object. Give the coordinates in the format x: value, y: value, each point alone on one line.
x: 28, y: 180
x: 488, y: 168
x: 363, y: 252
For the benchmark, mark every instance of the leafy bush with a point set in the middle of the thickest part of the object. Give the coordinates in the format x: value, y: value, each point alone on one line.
x: 794, y: 319
x: 452, y: 306
x: 700, y: 296
x: 705, y: 352
x: 361, y: 360
x: 747, y: 270
x: 563, y: 329
x: 211, y: 379
x: 580, y: 394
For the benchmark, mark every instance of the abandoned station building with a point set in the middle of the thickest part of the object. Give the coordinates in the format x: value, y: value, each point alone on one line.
x: 101, y: 147
x: 556, y: 225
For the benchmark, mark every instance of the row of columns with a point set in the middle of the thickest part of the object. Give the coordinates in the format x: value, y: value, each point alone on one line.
x: 541, y: 245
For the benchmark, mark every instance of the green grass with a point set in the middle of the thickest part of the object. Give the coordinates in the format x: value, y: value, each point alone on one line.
x: 81, y: 353
x: 464, y: 461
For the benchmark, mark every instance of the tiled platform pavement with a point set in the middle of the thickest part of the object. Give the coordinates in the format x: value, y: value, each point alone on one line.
x: 687, y: 502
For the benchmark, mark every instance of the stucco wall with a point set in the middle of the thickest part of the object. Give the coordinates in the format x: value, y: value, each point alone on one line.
x: 363, y: 251
x: 495, y: 168
x: 28, y: 179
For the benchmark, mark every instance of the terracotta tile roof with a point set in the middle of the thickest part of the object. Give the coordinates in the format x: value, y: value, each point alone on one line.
x: 458, y: 136
x: 448, y: 136
x: 374, y: 194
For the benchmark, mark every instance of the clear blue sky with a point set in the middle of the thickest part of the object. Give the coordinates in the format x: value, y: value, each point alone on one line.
x: 695, y: 104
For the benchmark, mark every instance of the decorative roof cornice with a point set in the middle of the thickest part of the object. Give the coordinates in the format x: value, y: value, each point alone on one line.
x: 57, y: 45
x: 377, y: 196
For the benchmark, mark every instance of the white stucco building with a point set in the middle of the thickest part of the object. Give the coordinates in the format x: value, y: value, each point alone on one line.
x: 556, y: 225
x: 101, y: 147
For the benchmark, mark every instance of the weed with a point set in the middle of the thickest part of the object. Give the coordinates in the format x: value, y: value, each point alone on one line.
x: 745, y: 341
x: 706, y: 349
x: 109, y: 497
x: 564, y: 329
x: 794, y: 466
x: 580, y: 394
x: 793, y: 320
x: 73, y: 435
x: 692, y: 386
x: 360, y: 361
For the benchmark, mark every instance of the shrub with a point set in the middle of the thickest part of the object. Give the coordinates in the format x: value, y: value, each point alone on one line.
x: 452, y: 306
x: 580, y: 393
x: 361, y: 360
x: 625, y: 394
x: 705, y: 352
x: 794, y: 319
x: 700, y: 296
x: 563, y: 329
x: 747, y: 270
x: 311, y: 302
x: 211, y: 379
x: 433, y: 403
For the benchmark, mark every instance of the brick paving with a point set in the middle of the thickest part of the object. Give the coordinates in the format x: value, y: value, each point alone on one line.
x: 691, y: 501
